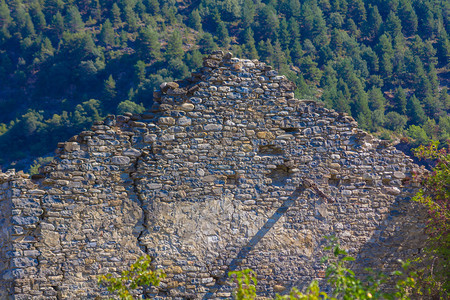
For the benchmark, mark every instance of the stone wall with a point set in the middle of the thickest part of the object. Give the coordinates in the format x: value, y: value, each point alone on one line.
x: 226, y: 171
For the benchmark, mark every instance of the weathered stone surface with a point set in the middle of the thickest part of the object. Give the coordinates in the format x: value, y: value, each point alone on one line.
x: 229, y: 171
x: 120, y: 160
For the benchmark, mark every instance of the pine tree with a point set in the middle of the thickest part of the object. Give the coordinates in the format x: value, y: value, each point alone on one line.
x: 193, y: 59
x: 130, y: 18
x: 374, y: 22
x: 415, y: 111
x: 284, y: 36
x: 147, y: 44
x: 38, y: 16
x: 115, y: 11
x: 294, y: 30
x: 5, y: 21
x: 266, y: 51
x: 357, y: 11
x: 58, y: 25
x: 206, y: 43
x: 408, y: 18
x: 393, y: 25
x: 296, y: 52
x: 443, y: 48
x: 140, y: 71
x: 376, y: 99
x: 152, y: 6
x: 400, y: 101
x: 109, y: 90
x: 174, y: 46
x: 249, y: 44
x: 280, y: 59
x: 269, y: 23
x: 336, y: 41
x: 222, y: 35
x: 107, y: 34
x: 195, y: 20
x: 248, y: 12
x: 73, y: 19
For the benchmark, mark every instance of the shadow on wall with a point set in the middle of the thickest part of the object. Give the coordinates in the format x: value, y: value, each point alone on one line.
x: 398, y: 236
x: 402, y: 231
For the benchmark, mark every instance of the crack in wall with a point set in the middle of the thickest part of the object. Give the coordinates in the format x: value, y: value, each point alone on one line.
x: 139, y: 196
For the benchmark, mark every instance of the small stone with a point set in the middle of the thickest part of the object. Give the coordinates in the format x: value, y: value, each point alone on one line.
x: 393, y: 190
x: 120, y: 160
x: 265, y: 135
x: 184, y: 121
x: 213, y: 127
x: 187, y: 106
x: 166, y: 121
x: 150, y: 138
x: 132, y: 152
x: 278, y: 288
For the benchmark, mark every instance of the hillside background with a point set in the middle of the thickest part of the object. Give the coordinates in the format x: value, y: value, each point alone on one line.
x: 67, y: 63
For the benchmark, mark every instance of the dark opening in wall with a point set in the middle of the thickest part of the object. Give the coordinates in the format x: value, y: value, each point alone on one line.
x: 333, y: 181
x: 231, y: 179
x: 279, y: 175
x: 270, y: 150
x: 290, y: 130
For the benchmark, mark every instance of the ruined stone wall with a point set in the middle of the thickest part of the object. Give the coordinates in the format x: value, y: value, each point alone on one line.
x: 227, y: 171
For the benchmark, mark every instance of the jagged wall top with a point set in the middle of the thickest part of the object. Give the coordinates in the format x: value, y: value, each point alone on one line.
x: 242, y: 76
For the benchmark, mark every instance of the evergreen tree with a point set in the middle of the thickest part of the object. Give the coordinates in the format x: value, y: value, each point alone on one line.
x: 374, y: 22
x: 280, y: 59
x: 296, y: 52
x: 248, y: 12
x: 357, y: 11
x: 115, y: 11
x: 294, y: 8
x: 195, y: 20
x: 148, y: 46
x: 393, y: 25
x: 266, y: 51
x: 222, y: 34
x: 140, y: 71
x: 415, y: 111
x: 37, y: 15
x: 376, y: 99
x: 107, y: 34
x: 193, y: 59
x: 400, y: 101
x: 5, y: 21
x: 109, y: 90
x: 174, y: 46
x: 58, y: 25
x: 268, y: 23
x: 284, y: 36
x: 294, y: 30
x: 130, y: 18
x: 206, y: 43
x: 443, y: 48
x: 73, y: 19
x: 408, y: 18
x: 152, y: 6
x: 336, y: 41
x: 249, y: 44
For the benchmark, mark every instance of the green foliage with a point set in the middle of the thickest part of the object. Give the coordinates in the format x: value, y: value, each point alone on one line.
x: 37, y: 163
x: 435, y: 196
x: 138, y: 275
x: 129, y: 106
x: 343, y: 281
x: 246, y: 284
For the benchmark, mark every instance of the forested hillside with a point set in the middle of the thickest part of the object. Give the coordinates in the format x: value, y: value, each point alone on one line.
x: 65, y: 64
